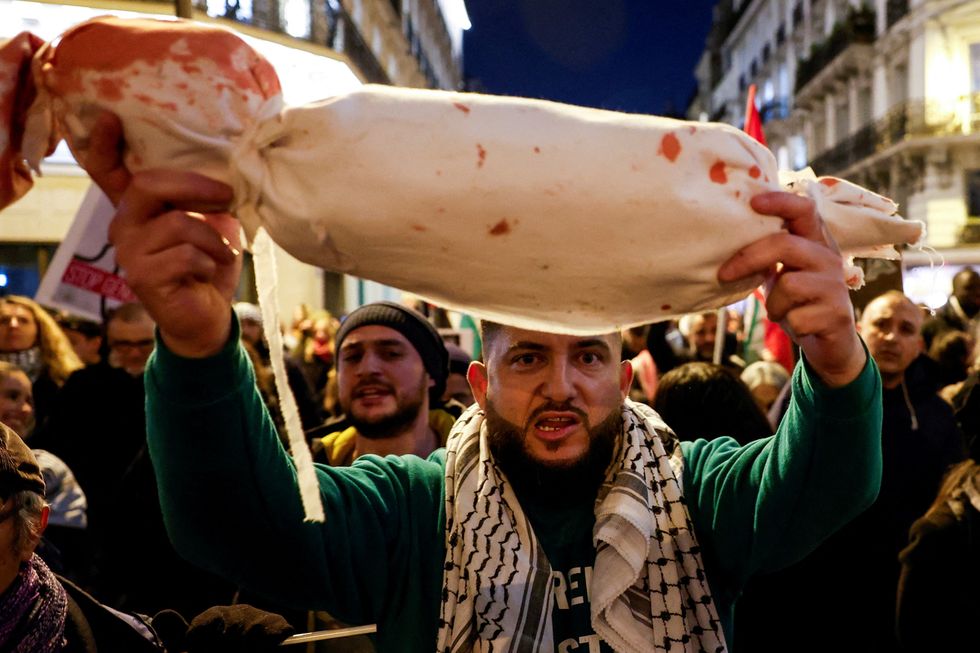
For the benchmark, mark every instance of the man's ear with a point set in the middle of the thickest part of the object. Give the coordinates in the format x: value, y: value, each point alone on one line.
x: 476, y: 375
x: 32, y: 544
x: 625, y: 378
x: 45, y: 513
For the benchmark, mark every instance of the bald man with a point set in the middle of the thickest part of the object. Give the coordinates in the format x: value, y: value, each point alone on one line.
x: 960, y: 311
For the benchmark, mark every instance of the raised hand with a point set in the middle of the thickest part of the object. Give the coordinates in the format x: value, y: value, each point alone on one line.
x: 806, y: 293
x: 179, y: 250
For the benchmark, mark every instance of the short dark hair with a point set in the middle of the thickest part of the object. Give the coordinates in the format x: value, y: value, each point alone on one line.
x: 131, y: 312
x: 704, y: 400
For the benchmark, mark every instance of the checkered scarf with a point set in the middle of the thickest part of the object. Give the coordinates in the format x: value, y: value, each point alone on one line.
x: 649, y: 592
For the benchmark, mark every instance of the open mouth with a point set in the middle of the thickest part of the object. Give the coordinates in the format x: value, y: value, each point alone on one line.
x: 554, y: 426
x: 372, y: 393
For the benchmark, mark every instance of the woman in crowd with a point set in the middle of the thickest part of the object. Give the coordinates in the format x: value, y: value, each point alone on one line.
x: 66, y: 545
x: 32, y: 340
x: 938, y: 602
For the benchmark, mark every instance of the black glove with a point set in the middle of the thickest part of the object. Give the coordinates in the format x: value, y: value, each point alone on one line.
x: 237, y: 629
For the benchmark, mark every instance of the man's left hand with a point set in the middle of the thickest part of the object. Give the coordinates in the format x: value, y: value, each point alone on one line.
x: 804, y: 278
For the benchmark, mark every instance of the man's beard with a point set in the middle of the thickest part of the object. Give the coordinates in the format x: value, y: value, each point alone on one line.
x: 562, y: 481
x: 406, y: 411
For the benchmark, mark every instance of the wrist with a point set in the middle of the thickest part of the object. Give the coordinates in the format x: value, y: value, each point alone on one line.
x: 203, y: 343
x: 847, y: 370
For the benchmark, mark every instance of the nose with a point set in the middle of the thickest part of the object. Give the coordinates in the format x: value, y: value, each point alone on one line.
x: 560, y: 382
x: 27, y: 409
x: 370, y: 363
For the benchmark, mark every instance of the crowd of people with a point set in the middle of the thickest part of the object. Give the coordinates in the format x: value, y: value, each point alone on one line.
x: 90, y: 447
x: 671, y: 487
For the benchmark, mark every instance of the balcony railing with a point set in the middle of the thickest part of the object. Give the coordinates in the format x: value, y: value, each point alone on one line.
x: 341, y: 34
x: 907, y: 121
x: 777, y: 109
x: 857, y: 27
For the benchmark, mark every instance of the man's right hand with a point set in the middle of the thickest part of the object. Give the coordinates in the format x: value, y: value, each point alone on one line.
x: 179, y: 250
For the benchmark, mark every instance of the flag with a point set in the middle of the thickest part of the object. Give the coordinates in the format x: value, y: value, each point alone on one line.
x: 775, y: 342
x: 753, y: 121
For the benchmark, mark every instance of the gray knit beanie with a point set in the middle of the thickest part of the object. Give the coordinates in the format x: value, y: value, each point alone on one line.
x: 416, y: 329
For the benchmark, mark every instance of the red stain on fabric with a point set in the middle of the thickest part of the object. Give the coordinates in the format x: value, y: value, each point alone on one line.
x: 670, y: 147
x: 418, y: 227
x: 110, y: 45
x: 537, y: 150
x: 717, y: 173
x: 738, y: 194
x: 461, y: 107
x: 181, y: 85
x: 829, y: 182
x: 665, y: 307
x: 692, y: 129
x: 109, y: 89
x: 754, y: 172
x: 481, y: 155
x: 501, y: 228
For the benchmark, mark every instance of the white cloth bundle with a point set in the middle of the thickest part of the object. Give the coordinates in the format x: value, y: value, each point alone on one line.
x: 532, y: 213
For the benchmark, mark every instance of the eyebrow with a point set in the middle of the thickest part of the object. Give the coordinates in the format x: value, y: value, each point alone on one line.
x: 581, y: 344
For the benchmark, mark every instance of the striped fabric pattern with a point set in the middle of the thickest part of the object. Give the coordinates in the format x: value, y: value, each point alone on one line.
x: 649, y: 592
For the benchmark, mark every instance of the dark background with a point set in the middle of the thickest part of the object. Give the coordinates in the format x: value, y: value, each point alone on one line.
x: 629, y: 55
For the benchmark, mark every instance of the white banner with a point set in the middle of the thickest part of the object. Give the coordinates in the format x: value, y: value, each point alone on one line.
x: 83, y: 277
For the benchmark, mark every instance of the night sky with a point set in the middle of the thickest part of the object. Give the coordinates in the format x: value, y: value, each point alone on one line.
x: 629, y: 55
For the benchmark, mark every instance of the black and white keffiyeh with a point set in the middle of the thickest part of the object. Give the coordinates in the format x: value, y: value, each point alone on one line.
x: 649, y: 591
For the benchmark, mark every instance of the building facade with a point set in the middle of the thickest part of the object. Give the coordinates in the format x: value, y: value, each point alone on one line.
x: 885, y: 93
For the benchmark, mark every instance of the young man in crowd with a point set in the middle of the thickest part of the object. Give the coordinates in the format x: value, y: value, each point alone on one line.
x: 391, y: 373
x: 489, y: 544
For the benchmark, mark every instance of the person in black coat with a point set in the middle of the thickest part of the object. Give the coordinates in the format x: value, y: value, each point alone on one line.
x: 960, y: 311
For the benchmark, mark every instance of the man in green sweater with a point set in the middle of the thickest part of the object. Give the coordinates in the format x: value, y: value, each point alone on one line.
x: 559, y: 518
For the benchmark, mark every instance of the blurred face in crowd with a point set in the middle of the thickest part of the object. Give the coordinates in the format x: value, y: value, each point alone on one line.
x: 18, y: 329
x: 704, y: 329
x: 323, y: 330
x: 382, y: 382
x: 87, y: 347
x: 458, y: 388
x: 765, y: 395
x: 966, y: 289
x: 251, y: 331
x: 16, y: 402
x: 551, y: 397
x: 130, y: 344
x: 10, y: 557
x: 890, y: 326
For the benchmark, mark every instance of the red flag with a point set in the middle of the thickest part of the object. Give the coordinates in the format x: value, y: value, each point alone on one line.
x: 753, y: 122
x: 776, y: 342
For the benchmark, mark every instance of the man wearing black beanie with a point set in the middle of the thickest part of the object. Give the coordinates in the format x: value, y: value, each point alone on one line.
x: 391, y: 371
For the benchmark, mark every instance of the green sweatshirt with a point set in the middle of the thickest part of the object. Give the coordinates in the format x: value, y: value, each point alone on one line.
x: 230, y: 503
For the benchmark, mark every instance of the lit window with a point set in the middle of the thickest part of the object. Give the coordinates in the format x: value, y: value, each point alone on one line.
x: 296, y: 16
